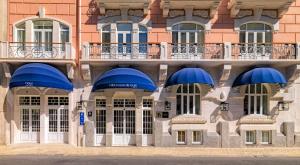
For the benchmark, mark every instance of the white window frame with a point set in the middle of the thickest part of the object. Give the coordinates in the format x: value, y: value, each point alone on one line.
x: 30, y: 107
x: 188, y: 94
x: 148, y: 130
x: 256, y: 95
x: 250, y: 133
x: 59, y: 108
x: 200, y: 136
x: 269, y: 137
x: 179, y: 136
x: 127, y: 129
x: 100, y: 108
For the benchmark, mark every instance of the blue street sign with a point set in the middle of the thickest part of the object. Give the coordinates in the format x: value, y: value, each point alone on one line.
x: 81, y: 118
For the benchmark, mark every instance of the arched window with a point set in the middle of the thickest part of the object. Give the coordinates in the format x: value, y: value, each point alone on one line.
x: 256, y: 33
x: 256, y: 100
x: 188, y: 99
x: 187, y: 38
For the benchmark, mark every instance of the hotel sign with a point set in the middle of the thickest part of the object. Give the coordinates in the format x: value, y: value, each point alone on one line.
x: 125, y: 85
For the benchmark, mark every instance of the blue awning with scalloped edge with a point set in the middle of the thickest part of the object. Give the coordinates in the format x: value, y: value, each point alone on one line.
x: 259, y: 76
x: 190, y: 76
x: 124, y: 78
x: 40, y: 75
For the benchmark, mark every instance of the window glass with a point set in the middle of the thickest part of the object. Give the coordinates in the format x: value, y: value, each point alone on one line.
x: 266, y: 137
x: 250, y: 137
x: 124, y: 27
x: 43, y: 24
x: 197, y: 137
x: 256, y: 98
x: 181, y: 137
x: 188, y: 99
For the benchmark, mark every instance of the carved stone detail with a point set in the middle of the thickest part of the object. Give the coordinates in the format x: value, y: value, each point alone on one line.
x: 201, y: 13
x: 111, y: 13
x: 176, y: 13
x: 270, y: 13
x: 188, y: 119
x: 256, y: 119
x: 244, y: 13
x: 136, y: 13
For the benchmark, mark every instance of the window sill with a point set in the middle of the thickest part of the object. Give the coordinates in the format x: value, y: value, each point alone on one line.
x: 256, y: 119
x: 188, y: 119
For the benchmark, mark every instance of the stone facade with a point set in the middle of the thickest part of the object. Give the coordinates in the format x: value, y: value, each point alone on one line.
x: 82, y: 65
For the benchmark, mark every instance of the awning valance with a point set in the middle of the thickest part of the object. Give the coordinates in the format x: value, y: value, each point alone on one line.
x: 259, y: 76
x: 40, y: 75
x: 124, y: 78
x: 190, y: 76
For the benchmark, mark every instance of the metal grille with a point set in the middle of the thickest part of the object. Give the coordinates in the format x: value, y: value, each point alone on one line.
x: 35, y: 101
x: 52, y: 120
x: 130, y: 103
x: 100, y: 121
x: 101, y: 103
x: 25, y: 120
x: 58, y: 100
x: 118, y: 121
x: 147, y: 122
x: 118, y: 103
x: 64, y: 120
x: 63, y: 100
x: 147, y: 103
x: 35, y: 121
x: 130, y: 122
x: 53, y: 100
x: 24, y: 100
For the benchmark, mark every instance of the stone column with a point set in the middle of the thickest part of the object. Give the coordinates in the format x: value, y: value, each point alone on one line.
x: 72, y: 122
x: 135, y: 40
x: 138, y: 119
x: 109, y: 119
x: 224, y: 131
x: 43, y: 119
x: 158, y: 133
x: 289, y: 132
x: 113, y: 39
x: 10, y: 107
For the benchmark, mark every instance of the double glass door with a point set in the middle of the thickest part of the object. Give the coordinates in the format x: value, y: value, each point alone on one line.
x: 30, y: 124
x: 43, y: 43
x: 124, y: 122
x: 124, y: 40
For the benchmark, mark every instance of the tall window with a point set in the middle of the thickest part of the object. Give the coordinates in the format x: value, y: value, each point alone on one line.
x: 257, y: 38
x: 256, y: 100
x: 188, y: 99
x: 43, y: 34
x: 186, y: 38
x: 106, y: 39
x: 124, y: 37
x: 21, y: 36
x: 64, y: 36
x: 143, y: 39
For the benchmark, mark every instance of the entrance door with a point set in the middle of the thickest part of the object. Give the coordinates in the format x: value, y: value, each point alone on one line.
x: 58, y: 114
x: 29, y: 119
x: 124, y: 122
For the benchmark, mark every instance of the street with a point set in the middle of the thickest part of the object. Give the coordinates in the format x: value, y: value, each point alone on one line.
x: 113, y: 160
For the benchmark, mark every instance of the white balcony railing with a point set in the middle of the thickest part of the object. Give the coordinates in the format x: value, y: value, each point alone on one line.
x: 18, y: 50
x: 121, y: 51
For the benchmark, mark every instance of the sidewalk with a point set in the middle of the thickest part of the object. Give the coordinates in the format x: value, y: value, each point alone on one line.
x: 67, y: 150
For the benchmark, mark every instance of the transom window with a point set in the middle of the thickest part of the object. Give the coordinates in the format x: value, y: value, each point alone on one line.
x: 256, y: 100
x: 188, y: 99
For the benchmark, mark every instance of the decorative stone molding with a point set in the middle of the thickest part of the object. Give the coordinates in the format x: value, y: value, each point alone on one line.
x: 256, y: 119
x: 194, y: 7
x: 163, y: 72
x: 205, y: 22
x: 176, y: 13
x: 86, y: 72
x: 105, y: 5
x: 201, y: 13
x: 270, y: 13
x: 274, y: 23
x: 244, y: 13
x: 103, y: 20
x: 293, y: 73
x: 259, y: 7
x: 111, y: 13
x: 188, y: 119
x: 136, y: 13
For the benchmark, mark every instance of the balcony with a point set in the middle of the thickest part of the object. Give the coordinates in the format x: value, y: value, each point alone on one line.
x: 115, y: 51
x: 264, y: 51
x: 202, y: 8
x: 16, y: 51
x: 105, y: 5
x: 276, y: 9
x: 190, y: 52
x: 195, y: 51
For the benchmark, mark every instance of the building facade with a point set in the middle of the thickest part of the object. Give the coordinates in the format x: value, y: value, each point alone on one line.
x: 211, y: 73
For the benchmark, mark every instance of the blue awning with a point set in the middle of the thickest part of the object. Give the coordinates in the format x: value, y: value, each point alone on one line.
x: 40, y: 75
x: 259, y: 76
x: 190, y: 76
x: 124, y: 78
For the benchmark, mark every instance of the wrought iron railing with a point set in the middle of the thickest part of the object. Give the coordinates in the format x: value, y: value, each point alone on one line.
x: 263, y: 51
x: 196, y: 51
x: 36, y: 50
x: 122, y: 51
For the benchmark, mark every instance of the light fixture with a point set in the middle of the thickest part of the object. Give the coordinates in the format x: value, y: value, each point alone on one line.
x: 283, y: 106
x: 79, y: 105
x: 224, y: 106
